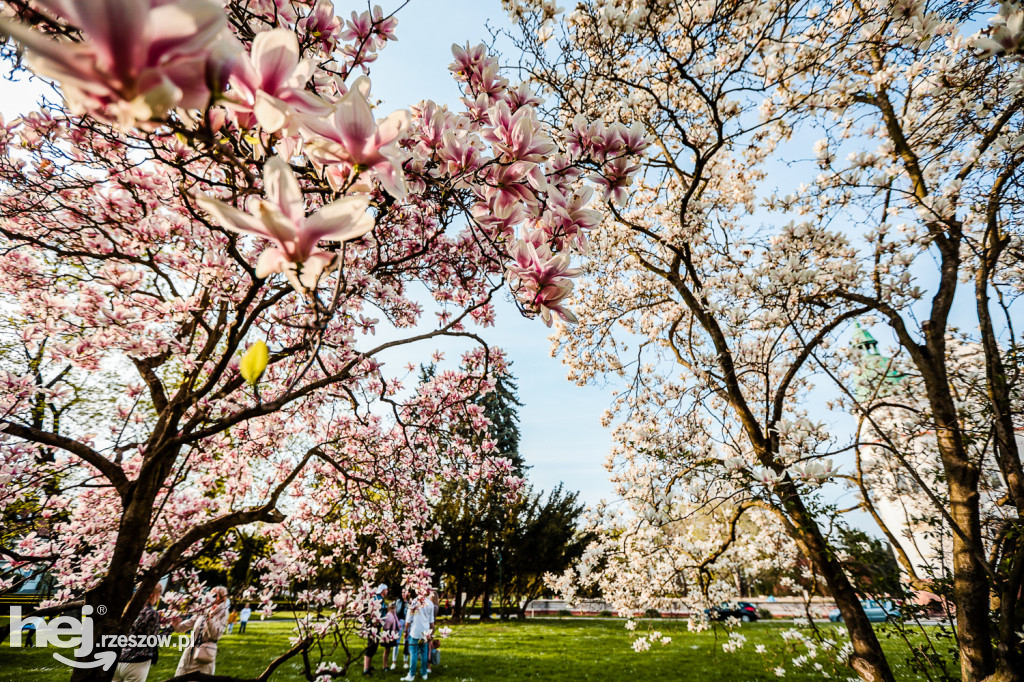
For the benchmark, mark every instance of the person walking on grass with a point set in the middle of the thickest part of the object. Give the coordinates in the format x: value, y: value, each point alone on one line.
x: 243, y: 619
x: 133, y: 663
x: 373, y: 634
x: 421, y: 617
x: 232, y: 619
x: 389, y: 636
x: 28, y: 634
x: 207, y: 627
x: 400, y: 643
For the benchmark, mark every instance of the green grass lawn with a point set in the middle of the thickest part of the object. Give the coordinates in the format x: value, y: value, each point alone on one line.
x: 569, y: 649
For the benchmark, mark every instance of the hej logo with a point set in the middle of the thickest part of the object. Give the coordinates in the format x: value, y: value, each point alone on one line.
x: 61, y: 632
x: 55, y: 632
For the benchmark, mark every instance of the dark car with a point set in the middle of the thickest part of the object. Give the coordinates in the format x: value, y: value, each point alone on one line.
x: 741, y: 610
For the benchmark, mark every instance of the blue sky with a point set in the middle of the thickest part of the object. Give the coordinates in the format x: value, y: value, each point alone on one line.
x: 562, y: 437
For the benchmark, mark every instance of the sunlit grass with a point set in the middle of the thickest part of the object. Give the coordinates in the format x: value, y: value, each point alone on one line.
x: 569, y: 649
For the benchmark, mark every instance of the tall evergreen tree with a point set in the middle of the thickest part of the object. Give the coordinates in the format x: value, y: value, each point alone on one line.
x: 544, y: 537
x: 472, y: 518
x: 500, y: 407
x: 488, y: 544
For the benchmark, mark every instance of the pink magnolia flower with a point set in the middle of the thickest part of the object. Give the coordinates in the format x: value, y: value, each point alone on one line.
x: 541, y: 278
x: 372, y: 27
x: 322, y: 24
x: 523, y: 96
x: 281, y: 217
x: 585, y: 137
x: 519, y: 136
x: 505, y: 185
x: 469, y: 60
x: 461, y: 154
x: 138, y: 59
x: 767, y: 476
x: 615, y: 178
x: 567, y: 217
x: 366, y: 33
x: 632, y: 140
x: 271, y: 83
x: 499, y: 218
x: 349, y: 141
x: 1005, y: 34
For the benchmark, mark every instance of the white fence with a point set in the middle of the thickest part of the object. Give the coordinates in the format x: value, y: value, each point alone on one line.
x: 780, y: 607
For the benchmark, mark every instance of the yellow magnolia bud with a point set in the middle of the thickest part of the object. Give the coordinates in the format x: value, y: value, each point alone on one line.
x: 254, y: 362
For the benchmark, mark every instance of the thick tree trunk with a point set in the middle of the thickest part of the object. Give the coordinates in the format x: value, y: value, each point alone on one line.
x: 867, y: 659
x: 971, y: 584
x: 109, y: 601
x: 110, y: 598
x: 1009, y: 661
x: 970, y: 581
x: 485, y: 609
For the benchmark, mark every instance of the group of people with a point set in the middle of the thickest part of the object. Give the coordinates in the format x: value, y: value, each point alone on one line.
x: 241, y: 618
x: 406, y: 628
x: 207, y: 625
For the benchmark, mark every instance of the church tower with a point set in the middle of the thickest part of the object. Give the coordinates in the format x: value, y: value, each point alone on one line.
x: 878, y: 376
x: 897, y: 498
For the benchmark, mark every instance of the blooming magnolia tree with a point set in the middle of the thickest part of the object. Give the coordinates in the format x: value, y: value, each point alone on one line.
x: 669, y: 554
x: 725, y: 324
x: 199, y: 245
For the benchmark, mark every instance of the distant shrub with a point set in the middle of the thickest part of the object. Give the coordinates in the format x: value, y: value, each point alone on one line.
x: 652, y: 613
x: 605, y: 614
x: 764, y: 614
x: 564, y: 612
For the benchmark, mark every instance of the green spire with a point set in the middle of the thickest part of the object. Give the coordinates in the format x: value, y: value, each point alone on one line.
x: 862, y: 339
x: 875, y: 368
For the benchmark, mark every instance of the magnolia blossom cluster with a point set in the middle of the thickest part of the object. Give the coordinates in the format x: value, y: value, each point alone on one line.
x: 293, y: 98
x: 668, y: 551
x: 1005, y: 35
x: 526, y: 182
x: 136, y: 61
x: 820, y: 652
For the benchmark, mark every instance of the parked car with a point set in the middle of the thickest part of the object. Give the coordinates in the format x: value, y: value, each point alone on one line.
x: 876, y: 611
x: 741, y: 610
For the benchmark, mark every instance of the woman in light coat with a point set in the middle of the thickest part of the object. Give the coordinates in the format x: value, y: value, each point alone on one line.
x: 207, y: 627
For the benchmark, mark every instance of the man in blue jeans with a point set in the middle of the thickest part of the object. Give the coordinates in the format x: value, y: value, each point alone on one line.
x: 420, y: 619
